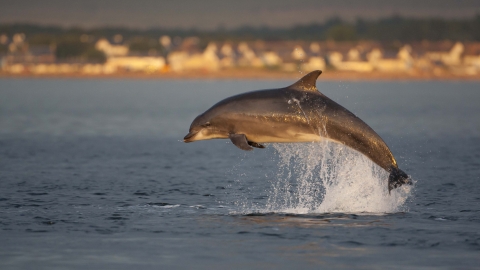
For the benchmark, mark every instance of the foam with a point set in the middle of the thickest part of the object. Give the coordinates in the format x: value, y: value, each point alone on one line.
x: 327, y: 177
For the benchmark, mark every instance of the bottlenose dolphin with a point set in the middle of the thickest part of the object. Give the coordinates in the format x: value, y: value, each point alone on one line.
x: 297, y: 113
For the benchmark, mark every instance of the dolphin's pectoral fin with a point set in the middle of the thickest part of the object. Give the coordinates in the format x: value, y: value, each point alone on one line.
x: 257, y: 145
x: 240, y: 141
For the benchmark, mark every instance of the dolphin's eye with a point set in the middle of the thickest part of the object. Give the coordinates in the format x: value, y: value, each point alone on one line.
x: 207, y: 124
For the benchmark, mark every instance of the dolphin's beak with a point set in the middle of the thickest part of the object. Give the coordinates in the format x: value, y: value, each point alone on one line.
x: 189, y: 136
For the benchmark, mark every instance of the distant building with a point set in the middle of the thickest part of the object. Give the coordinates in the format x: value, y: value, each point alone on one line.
x: 134, y: 63
x: 271, y: 59
x: 208, y: 60
x: 471, y: 58
x: 448, y: 58
x: 353, y: 62
x: 227, y: 56
x: 314, y: 63
x: 62, y: 68
x: 472, y: 64
x: 21, y: 57
x: 247, y: 56
x: 402, y: 62
x: 109, y: 49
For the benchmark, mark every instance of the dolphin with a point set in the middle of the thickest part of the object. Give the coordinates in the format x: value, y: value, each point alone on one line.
x: 297, y: 113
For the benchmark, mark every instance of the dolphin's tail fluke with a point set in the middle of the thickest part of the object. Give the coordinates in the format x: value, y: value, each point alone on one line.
x: 397, y: 178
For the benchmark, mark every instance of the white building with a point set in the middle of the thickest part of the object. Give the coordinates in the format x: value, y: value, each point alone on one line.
x: 336, y: 60
x: 403, y: 61
x: 449, y: 58
x: 207, y: 60
x: 110, y: 49
x: 134, y: 63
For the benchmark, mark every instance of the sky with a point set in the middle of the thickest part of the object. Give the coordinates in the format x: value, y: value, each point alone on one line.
x: 211, y: 14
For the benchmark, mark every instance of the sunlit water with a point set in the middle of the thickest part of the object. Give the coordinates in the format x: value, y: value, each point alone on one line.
x: 94, y: 174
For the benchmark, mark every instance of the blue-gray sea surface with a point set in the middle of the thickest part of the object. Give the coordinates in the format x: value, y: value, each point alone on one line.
x: 94, y: 175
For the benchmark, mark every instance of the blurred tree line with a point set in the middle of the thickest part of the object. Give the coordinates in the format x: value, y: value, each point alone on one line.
x: 79, y: 43
x: 73, y: 46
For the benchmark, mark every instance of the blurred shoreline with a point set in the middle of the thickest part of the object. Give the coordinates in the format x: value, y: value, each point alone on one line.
x: 251, y: 74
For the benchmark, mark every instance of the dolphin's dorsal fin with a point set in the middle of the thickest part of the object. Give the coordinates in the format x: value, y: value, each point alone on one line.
x: 307, y: 82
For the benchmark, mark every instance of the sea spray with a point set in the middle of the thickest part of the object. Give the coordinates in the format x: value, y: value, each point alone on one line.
x: 329, y: 177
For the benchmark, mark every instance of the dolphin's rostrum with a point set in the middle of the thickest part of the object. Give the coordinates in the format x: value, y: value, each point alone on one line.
x: 297, y: 113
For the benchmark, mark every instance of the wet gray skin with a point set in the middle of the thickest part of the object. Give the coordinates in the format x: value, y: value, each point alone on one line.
x: 297, y: 113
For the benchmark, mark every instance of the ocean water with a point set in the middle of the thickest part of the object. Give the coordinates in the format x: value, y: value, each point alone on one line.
x: 94, y: 175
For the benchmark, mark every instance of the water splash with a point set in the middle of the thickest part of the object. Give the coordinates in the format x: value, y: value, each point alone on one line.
x: 329, y: 177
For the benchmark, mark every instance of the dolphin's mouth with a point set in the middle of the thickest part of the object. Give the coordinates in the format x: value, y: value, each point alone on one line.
x: 189, y: 137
